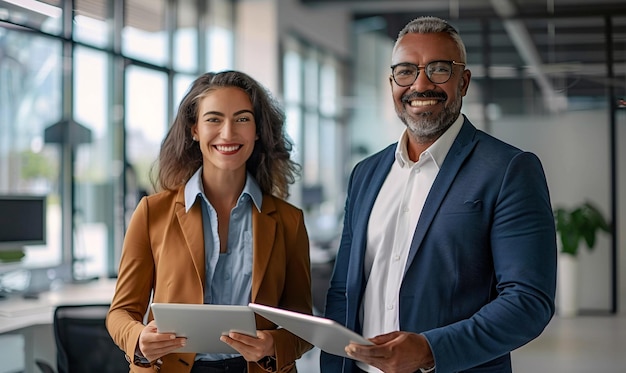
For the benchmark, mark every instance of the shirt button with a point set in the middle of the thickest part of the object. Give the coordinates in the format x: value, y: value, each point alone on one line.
x: 227, y: 276
x: 396, y: 257
x: 390, y: 306
x: 405, y: 209
x: 417, y: 170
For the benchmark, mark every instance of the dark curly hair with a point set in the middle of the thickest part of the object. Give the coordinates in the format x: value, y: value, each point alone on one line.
x: 270, y: 162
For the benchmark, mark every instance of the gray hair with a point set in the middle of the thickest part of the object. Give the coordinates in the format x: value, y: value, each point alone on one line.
x: 429, y: 25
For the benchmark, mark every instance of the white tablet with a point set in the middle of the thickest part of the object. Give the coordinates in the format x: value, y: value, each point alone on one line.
x: 326, y: 334
x: 203, y: 324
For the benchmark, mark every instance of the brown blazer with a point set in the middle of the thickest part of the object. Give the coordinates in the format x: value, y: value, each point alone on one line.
x: 164, y: 253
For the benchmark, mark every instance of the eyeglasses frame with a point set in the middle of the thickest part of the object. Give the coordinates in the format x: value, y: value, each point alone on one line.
x: 418, y: 67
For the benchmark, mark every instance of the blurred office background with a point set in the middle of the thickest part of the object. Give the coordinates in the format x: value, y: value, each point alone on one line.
x: 89, y: 87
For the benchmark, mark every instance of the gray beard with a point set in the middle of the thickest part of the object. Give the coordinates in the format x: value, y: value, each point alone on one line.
x: 427, y: 128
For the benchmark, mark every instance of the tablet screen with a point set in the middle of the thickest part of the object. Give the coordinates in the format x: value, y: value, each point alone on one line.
x: 326, y: 334
x: 203, y: 324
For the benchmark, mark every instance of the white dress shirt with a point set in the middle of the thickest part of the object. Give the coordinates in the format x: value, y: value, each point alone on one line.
x: 390, y: 231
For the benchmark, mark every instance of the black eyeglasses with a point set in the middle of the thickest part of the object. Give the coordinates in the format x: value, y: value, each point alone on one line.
x: 438, y: 72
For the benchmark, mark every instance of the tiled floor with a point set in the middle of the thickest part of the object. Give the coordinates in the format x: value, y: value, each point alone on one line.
x: 580, y: 344
x: 576, y: 345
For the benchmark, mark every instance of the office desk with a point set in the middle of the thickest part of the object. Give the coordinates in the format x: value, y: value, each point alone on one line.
x: 32, y: 318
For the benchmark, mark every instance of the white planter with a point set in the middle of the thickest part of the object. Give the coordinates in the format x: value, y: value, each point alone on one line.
x: 567, y: 285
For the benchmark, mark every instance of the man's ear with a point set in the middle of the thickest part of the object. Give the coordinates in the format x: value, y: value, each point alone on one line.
x: 465, y: 80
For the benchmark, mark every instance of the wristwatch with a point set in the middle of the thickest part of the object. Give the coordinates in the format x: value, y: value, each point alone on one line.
x: 142, y: 362
x: 268, y: 363
x: 428, y: 370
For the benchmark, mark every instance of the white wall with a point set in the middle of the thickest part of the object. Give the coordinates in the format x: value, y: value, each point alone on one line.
x: 573, y: 147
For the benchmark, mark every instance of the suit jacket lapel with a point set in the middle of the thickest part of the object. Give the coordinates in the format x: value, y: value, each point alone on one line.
x: 460, y: 149
x: 373, y: 177
x: 191, y: 227
x: 263, y: 233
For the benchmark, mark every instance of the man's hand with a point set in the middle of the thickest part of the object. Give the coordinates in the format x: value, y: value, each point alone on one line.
x: 397, y: 352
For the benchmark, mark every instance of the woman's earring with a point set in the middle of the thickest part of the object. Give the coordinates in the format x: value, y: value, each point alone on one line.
x: 194, y: 138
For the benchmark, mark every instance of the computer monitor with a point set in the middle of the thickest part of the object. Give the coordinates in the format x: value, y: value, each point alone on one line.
x: 22, y: 221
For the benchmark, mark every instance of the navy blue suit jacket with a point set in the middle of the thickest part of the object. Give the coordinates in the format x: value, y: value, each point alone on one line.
x: 481, y: 273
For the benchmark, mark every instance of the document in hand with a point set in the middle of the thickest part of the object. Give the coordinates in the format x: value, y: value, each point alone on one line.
x: 203, y: 324
x: 326, y: 334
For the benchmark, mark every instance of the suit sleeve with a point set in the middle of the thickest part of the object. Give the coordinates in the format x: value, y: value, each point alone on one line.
x: 523, y: 247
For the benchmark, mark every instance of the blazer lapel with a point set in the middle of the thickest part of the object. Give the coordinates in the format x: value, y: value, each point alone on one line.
x: 373, y: 177
x: 191, y: 226
x: 461, y: 148
x: 263, y: 233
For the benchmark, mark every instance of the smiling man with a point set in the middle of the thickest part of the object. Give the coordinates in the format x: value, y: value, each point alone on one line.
x: 447, y: 260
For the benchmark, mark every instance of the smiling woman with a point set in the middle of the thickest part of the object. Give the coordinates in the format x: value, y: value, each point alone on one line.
x: 218, y: 231
x: 226, y: 130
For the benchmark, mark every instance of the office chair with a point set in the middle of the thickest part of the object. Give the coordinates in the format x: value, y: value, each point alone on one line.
x: 83, y: 342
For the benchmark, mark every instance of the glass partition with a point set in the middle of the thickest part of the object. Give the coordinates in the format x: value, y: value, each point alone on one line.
x: 30, y: 72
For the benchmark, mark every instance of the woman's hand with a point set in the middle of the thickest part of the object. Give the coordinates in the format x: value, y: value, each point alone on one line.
x: 251, y: 348
x: 153, y: 345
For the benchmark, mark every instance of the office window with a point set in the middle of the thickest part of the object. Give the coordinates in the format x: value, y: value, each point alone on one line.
x: 312, y: 94
x: 293, y: 128
x: 333, y: 151
x: 146, y: 119
x: 30, y: 102
x: 144, y: 36
x: 312, y: 145
x: 311, y: 79
x: 330, y: 87
x: 293, y: 98
x: 219, y: 36
x: 94, y: 169
x: 122, y: 104
x: 90, y: 22
x: 182, y: 83
x: 292, y: 93
x: 186, y: 36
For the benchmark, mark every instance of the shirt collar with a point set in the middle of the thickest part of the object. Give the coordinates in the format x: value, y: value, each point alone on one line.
x: 437, y: 151
x: 194, y: 187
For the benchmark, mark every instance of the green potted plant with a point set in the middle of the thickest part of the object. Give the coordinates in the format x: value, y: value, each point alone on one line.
x: 574, y: 226
x: 579, y: 223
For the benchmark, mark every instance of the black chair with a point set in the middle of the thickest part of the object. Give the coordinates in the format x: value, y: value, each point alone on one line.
x: 83, y: 342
